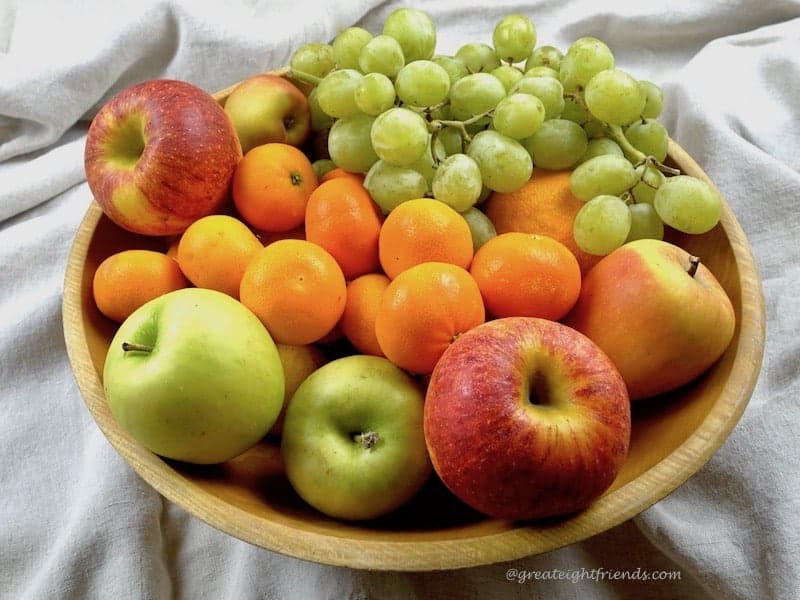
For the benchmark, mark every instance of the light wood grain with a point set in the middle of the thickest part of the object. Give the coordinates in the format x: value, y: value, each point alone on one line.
x: 250, y: 498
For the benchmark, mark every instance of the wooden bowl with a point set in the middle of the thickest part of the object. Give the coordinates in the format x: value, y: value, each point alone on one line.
x: 251, y: 499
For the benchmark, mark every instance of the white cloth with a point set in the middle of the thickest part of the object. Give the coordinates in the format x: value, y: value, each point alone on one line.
x: 77, y: 522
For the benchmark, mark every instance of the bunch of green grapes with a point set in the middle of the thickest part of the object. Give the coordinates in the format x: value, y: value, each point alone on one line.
x: 457, y: 127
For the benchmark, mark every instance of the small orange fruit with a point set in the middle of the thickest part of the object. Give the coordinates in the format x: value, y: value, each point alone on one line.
x: 423, y: 230
x: 128, y: 279
x: 342, y: 218
x: 544, y: 206
x: 526, y: 275
x: 296, y: 289
x: 339, y: 172
x: 271, y: 186
x: 214, y: 251
x: 358, y: 320
x: 423, y: 310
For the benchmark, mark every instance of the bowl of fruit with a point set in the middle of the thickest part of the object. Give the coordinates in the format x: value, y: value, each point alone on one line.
x: 391, y: 309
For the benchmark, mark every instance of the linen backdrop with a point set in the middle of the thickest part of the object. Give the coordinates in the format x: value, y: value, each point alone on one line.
x: 77, y: 522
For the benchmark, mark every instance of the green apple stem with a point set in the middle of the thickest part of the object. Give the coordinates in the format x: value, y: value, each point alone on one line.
x: 128, y: 347
x: 694, y: 262
x: 367, y: 439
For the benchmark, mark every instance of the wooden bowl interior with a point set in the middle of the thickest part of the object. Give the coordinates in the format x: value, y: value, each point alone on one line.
x: 250, y: 498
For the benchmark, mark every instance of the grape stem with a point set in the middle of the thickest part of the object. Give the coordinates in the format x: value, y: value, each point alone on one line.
x: 437, y: 124
x: 635, y: 155
x: 298, y: 75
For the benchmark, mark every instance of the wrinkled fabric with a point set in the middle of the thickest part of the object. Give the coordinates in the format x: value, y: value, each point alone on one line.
x: 77, y: 522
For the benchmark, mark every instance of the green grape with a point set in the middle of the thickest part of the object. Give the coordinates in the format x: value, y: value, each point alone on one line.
x: 414, y: 30
x: 594, y: 128
x: 648, y: 180
x: 518, y: 116
x: 508, y: 75
x: 688, y: 204
x: 557, y: 144
x: 654, y: 99
x: 574, y: 110
x: 586, y: 57
x: 389, y: 185
x: 480, y: 226
x: 382, y: 54
x: 485, y: 193
x: 649, y: 137
x: 478, y: 57
x: 614, y: 97
x: 422, y: 83
x: 350, y: 143
x: 374, y: 94
x: 347, y: 47
x: 320, y: 120
x: 322, y: 166
x: 455, y: 67
x: 399, y: 136
x: 541, y: 71
x: 458, y: 182
x: 607, y: 174
x: 544, y: 56
x: 336, y: 93
x: 425, y: 164
x: 645, y: 223
x: 451, y: 140
x: 602, y: 225
x: 504, y: 163
x: 314, y: 58
x: 547, y: 89
x: 475, y: 94
x: 600, y: 146
x: 514, y: 37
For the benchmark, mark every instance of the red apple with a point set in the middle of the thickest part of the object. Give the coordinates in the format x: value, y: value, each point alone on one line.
x: 525, y: 418
x: 659, y: 314
x: 267, y: 108
x: 159, y: 155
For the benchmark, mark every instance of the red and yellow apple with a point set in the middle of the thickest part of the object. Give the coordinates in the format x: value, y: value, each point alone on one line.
x: 159, y: 155
x: 525, y: 418
x: 267, y: 108
x: 658, y: 312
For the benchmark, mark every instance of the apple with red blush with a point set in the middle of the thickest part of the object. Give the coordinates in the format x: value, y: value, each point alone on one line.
x: 526, y: 418
x: 159, y: 155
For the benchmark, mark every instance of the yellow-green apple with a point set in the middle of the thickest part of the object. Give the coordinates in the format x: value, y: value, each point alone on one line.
x: 267, y: 108
x: 526, y: 418
x: 298, y: 362
x: 194, y: 376
x: 159, y: 155
x: 352, y: 444
x: 659, y: 314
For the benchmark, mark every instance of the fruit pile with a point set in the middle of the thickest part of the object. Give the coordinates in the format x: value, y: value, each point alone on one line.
x: 397, y: 263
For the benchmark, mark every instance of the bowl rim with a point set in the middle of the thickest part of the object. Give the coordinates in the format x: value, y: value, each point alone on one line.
x: 523, y: 540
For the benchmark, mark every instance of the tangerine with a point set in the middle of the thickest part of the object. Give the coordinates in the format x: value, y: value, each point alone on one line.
x: 297, y: 290
x: 423, y: 230
x: 423, y: 310
x: 128, y: 279
x: 271, y: 186
x: 342, y: 218
x: 544, y: 206
x: 526, y: 275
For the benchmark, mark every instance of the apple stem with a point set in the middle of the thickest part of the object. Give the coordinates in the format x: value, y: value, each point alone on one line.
x: 368, y: 439
x: 128, y: 346
x: 694, y: 262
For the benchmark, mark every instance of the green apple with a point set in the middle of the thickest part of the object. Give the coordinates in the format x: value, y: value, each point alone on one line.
x: 194, y: 376
x: 353, y: 445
